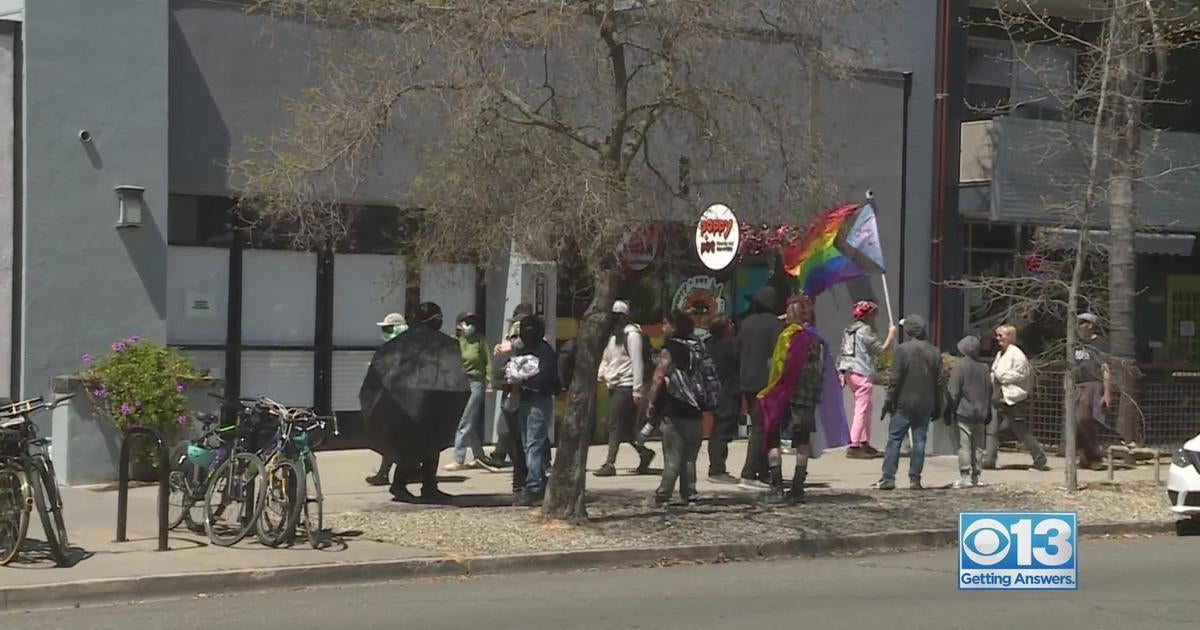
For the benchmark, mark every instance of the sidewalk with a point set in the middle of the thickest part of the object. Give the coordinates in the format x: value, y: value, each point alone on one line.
x: 351, y: 504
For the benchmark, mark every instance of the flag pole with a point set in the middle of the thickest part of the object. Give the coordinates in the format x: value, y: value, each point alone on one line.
x: 887, y: 295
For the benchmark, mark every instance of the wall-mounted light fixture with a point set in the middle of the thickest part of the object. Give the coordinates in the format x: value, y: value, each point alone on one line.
x: 130, y: 204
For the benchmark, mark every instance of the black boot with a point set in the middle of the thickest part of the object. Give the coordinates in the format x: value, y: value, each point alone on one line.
x: 775, y: 492
x: 797, y: 493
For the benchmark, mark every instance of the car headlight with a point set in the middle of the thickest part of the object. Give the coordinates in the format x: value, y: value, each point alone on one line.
x: 1181, y: 459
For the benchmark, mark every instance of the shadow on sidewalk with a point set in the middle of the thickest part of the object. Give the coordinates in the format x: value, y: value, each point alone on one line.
x: 35, y: 554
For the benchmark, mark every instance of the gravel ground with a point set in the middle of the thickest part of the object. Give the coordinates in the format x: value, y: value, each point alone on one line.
x: 623, y: 519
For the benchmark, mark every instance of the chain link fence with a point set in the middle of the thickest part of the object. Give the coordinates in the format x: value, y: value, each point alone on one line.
x: 1166, y: 410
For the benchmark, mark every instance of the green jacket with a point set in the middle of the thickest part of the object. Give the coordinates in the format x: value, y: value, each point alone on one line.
x: 475, y: 356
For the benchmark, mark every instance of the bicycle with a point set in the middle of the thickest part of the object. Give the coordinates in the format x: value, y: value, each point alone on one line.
x: 292, y: 474
x: 192, y: 464
x: 27, y: 480
x: 237, y: 479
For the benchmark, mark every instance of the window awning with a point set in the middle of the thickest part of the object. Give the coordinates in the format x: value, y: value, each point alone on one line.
x: 1143, y: 243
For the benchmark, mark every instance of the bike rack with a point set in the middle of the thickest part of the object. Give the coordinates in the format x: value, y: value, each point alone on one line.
x: 164, y: 484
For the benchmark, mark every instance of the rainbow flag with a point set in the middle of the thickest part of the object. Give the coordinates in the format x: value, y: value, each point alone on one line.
x: 840, y: 245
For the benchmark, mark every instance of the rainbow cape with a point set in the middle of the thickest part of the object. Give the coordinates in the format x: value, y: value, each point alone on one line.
x: 841, y: 244
x: 787, y: 363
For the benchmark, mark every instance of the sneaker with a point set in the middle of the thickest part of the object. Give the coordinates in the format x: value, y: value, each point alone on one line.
x: 607, y: 470
x: 884, y: 484
x: 488, y: 464
x: 915, y: 484
x: 1042, y: 466
x: 872, y: 451
x: 858, y: 452
x: 976, y: 482
x: 752, y: 485
x: 456, y: 466
x: 647, y: 456
x: 531, y: 499
x: 963, y: 482
x: 722, y: 478
x: 378, y: 480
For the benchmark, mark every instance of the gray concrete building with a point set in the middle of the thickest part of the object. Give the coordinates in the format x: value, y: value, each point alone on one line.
x: 145, y: 102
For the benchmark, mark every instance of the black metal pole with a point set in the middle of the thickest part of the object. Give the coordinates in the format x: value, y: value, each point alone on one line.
x: 123, y: 488
x: 908, y: 79
x: 164, y: 491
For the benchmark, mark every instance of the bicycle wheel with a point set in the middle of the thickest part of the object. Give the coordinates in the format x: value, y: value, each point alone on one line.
x: 14, y: 513
x: 181, y: 499
x: 281, y: 510
x: 233, y: 499
x: 314, y: 503
x: 49, y: 507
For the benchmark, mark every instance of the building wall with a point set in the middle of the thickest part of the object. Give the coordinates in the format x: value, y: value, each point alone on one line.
x: 99, y: 66
x: 8, y: 74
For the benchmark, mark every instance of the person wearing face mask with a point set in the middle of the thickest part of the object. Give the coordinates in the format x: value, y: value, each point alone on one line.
x: 392, y: 325
x: 470, y: 428
x: 536, y: 388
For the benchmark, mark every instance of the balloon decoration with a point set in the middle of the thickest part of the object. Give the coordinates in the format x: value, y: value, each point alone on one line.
x: 761, y: 240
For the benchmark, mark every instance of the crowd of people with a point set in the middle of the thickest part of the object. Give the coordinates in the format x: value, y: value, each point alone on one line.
x: 772, y: 365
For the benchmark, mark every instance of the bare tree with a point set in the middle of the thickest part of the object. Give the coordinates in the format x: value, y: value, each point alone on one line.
x: 556, y: 122
x: 1122, y: 48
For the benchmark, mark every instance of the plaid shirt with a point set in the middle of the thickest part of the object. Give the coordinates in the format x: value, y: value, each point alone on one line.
x: 808, y: 389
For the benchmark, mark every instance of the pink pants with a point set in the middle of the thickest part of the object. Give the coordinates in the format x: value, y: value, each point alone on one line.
x: 862, y: 387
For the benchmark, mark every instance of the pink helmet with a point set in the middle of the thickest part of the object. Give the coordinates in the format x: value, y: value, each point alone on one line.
x: 864, y: 308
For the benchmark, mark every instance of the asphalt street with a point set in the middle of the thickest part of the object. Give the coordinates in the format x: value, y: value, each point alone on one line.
x: 1143, y: 583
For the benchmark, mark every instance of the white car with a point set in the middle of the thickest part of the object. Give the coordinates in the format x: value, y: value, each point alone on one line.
x: 1183, y: 485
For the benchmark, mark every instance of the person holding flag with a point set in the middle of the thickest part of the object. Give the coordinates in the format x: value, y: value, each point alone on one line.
x: 856, y: 365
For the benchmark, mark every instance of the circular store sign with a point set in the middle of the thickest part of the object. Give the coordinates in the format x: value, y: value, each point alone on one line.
x: 717, y: 237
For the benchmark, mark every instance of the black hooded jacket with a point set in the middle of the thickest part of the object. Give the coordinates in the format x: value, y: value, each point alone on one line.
x: 756, y: 340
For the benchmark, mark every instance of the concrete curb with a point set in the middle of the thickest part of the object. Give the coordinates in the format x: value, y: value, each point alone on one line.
x: 176, y: 585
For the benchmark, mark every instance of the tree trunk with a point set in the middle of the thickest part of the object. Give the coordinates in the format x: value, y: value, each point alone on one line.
x: 565, y: 496
x: 1122, y: 268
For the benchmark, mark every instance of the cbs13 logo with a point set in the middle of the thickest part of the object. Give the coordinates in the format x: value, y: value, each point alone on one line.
x: 1018, y: 540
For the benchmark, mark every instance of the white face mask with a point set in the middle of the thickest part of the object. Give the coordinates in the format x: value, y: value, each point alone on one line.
x: 467, y: 329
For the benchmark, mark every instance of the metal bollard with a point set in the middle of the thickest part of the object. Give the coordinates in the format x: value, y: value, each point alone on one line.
x: 1111, y: 467
x: 164, y: 485
x: 1157, y: 467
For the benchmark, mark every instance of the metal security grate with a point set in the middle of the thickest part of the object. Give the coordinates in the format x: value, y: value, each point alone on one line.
x: 1183, y: 318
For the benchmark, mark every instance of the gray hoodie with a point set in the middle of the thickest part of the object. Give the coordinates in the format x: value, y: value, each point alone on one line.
x: 916, y: 379
x: 969, y: 394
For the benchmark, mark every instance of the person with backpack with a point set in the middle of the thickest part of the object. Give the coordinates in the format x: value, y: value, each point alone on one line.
x: 860, y: 348
x: 756, y: 339
x: 623, y: 371
x: 722, y: 346
x: 968, y: 405
x: 684, y: 385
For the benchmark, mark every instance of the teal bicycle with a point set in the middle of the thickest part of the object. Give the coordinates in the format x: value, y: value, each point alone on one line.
x: 292, y: 478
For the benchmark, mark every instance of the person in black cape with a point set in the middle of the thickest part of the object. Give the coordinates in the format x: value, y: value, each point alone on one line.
x: 412, y: 398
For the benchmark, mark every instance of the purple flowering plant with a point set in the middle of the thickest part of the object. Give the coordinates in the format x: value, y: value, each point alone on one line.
x: 140, y: 383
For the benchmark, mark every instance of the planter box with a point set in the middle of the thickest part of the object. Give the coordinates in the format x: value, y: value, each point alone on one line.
x: 938, y: 441
x: 86, y: 446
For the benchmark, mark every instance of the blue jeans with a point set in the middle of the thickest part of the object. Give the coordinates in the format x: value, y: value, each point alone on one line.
x: 536, y: 413
x: 901, y: 422
x: 470, y: 425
